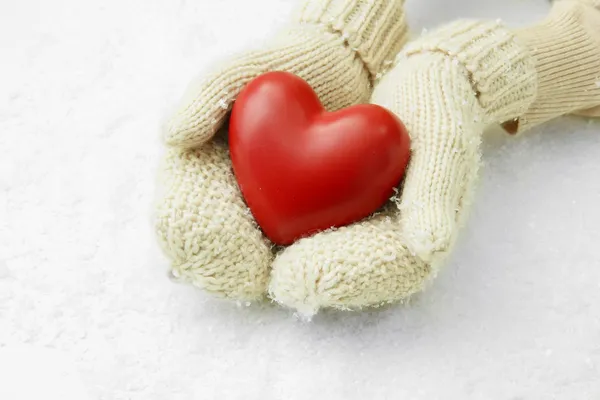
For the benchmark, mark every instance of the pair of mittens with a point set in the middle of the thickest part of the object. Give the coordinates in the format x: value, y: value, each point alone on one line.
x: 446, y: 87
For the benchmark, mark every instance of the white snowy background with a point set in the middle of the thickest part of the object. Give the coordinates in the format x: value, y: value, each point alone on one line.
x: 87, y: 310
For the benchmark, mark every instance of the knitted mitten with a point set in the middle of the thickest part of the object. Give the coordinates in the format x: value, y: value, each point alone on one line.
x: 339, y: 47
x: 447, y: 88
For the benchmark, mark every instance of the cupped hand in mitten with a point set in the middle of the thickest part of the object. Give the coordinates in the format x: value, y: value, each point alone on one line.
x: 203, y: 224
x: 446, y: 87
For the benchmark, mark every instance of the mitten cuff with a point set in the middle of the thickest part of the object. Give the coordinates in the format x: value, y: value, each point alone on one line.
x: 375, y: 29
x: 502, y: 72
x: 566, y: 49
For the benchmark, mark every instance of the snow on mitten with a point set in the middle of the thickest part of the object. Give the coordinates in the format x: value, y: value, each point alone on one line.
x: 203, y: 224
x: 446, y: 87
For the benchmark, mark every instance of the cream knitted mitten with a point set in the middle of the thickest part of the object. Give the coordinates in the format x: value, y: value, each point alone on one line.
x: 566, y: 47
x: 337, y: 46
x: 203, y: 224
x: 447, y: 87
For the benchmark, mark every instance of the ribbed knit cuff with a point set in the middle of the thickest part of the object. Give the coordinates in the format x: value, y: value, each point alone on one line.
x: 375, y: 29
x: 501, y: 71
x: 566, y: 47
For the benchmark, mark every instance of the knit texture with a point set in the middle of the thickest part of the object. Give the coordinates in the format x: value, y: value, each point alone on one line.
x: 499, y: 69
x: 337, y: 46
x: 360, y: 24
x: 205, y: 227
x: 203, y: 224
x: 566, y: 48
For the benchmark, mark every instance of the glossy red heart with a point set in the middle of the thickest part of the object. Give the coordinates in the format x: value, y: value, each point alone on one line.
x: 302, y: 169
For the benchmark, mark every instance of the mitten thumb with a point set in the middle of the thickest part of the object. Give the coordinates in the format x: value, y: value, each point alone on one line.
x: 446, y: 88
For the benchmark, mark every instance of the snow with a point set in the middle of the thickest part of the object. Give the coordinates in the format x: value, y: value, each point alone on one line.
x: 86, y: 306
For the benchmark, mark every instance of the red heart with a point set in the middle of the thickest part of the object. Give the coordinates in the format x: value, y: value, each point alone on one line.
x: 302, y: 169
